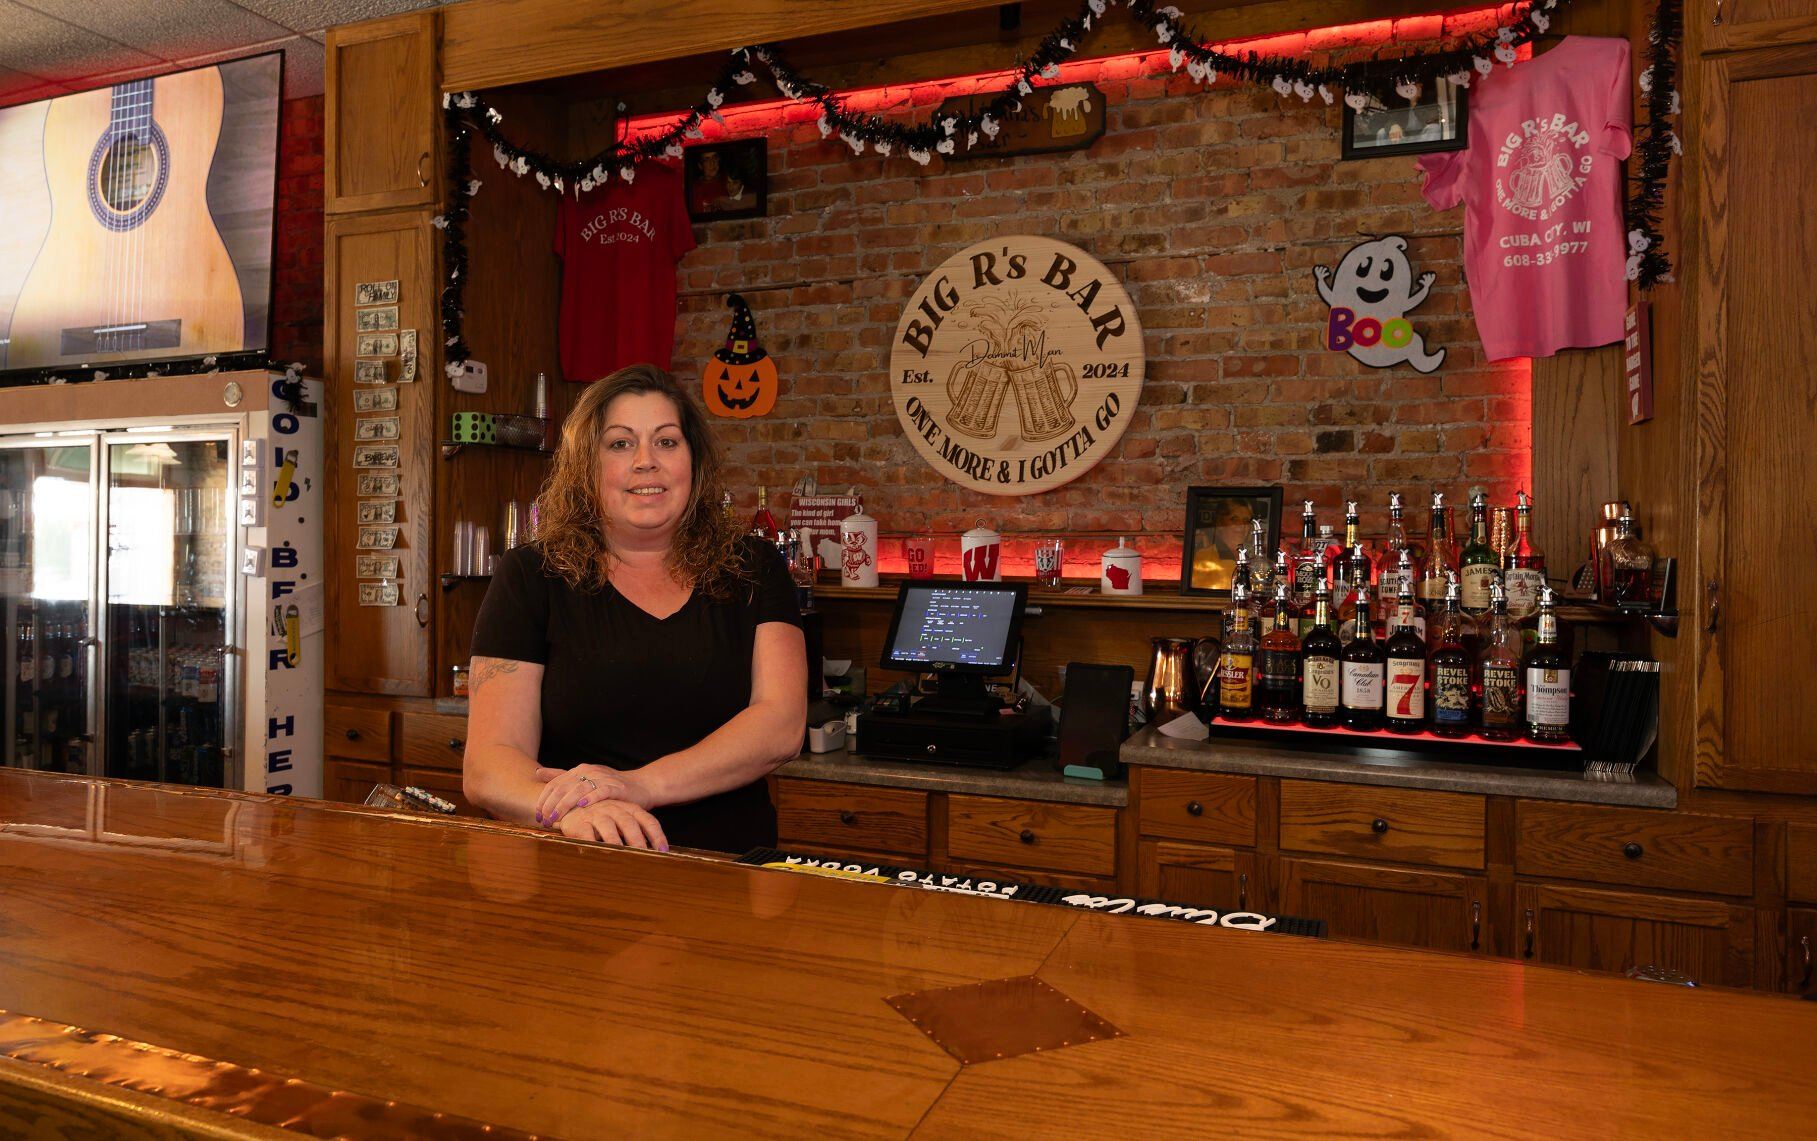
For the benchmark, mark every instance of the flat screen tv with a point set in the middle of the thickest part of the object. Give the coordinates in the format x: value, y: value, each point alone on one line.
x: 136, y: 220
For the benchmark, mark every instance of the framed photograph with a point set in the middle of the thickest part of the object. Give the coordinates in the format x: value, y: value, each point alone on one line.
x: 727, y: 180
x: 1437, y: 119
x: 1218, y: 521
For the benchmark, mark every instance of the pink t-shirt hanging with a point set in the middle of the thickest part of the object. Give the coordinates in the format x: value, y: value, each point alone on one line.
x: 1545, y: 250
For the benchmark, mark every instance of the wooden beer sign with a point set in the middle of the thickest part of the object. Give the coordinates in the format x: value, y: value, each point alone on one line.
x: 1017, y: 365
x: 1065, y: 118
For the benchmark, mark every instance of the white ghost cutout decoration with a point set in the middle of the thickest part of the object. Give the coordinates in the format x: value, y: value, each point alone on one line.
x: 1370, y: 294
x: 1356, y: 100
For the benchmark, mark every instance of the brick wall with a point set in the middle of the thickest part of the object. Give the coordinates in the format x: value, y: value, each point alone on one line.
x: 1212, y: 207
x: 296, y: 294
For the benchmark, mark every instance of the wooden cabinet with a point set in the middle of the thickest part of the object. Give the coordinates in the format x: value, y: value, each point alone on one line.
x: 384, y: 116
x: 1199, y: 875
x: 1730, y: 25
x: 349, y: 782
x: 1711, y: 941
x: 1215, y: 808
x: 432, y: 740
x: 1801, y: 950
x: 822, y: 816
x: 1755, y: 341
x: 1801, y: 862
x: 1634, y: 847
x: 380, y: 649
x: 1078, y: 838
x: 1399, y: 824
x: 1443, y: 911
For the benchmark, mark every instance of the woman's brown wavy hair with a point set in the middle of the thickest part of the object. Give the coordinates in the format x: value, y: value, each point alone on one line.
x: 570, y: 527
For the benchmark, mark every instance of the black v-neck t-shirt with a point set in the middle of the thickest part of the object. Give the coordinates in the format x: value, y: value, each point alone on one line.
x: 623, y: 688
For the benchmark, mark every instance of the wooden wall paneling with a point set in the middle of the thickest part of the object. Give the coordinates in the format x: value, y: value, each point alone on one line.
x: 1800, y: 973
x: 1577, y: 406
x: 375, y: 649
x: 1498, y: 854
x: 512, y: 300
x: 383, y: 118
x: 122, y: 400
x: 1749, y: 24
x: 1754, y: 413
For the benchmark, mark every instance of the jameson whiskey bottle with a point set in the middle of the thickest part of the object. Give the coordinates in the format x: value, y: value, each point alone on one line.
x: 1448, y: 671
x: 1236, y: 664
x: 1440, y: 558
x: 1548, y: 673
x: 1279, y: 677
x: 1405, y: 700
x: 1480, y: 566
x: 1320, y: 654
x: 1499, y: 718
x: 1363, y: 668
x: 1526, y: 566
x: 1306, y: 560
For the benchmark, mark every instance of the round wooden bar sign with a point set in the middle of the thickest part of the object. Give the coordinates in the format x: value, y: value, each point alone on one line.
x: 1017, y: 365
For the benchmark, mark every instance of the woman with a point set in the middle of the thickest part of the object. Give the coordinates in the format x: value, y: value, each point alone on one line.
x: 639, y: 667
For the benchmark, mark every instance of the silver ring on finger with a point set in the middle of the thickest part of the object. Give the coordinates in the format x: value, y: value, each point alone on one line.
x: 592, y: 782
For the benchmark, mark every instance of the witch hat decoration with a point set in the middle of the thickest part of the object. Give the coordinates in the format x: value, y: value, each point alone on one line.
x: 739, y: 380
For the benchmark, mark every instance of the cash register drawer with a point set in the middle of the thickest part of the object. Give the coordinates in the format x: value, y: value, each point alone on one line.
x: 827, y: 816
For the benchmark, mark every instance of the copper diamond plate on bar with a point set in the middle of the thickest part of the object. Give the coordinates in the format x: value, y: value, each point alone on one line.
x: 1001, y: 1018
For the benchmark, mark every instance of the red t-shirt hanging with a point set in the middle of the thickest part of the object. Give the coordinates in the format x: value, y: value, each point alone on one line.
x: 619, y: 245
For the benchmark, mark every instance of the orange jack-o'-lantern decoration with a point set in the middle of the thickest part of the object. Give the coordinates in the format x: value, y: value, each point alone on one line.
x: 739, y: 379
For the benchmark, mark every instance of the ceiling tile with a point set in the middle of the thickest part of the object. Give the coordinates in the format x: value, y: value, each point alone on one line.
x: 304, y: 65
x: 169, y: 31
x: 17, y: 87
x: 312, y: 15
x: 35, y: 43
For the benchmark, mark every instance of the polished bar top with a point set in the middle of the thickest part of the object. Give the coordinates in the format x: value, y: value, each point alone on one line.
x: 1035, y: 779
x: 1385, y: 766
x: 561, y: 989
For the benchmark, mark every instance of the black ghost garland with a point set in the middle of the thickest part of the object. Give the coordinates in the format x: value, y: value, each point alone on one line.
x: 945, y: 133
x: 1655, y: 144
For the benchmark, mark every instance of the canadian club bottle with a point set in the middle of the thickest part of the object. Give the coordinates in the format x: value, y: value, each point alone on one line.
x: 1449, y: 671
x: 1480, y: 566
x: 1499, y: 718
x: 1405, y: 700
x: 1279, y: 677
x: 1363, y: 667
x: 1526, y: 572
x: 1320, y: 664
x: 1548, y: 672
x: 1236, y: 663
x: 1440, y: 558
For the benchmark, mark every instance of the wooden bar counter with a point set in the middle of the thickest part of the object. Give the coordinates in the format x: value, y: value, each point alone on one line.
x: 224, y: 965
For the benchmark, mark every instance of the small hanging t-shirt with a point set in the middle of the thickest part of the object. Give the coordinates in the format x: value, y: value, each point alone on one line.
x: 1545, y: 250
x: 619, y: 245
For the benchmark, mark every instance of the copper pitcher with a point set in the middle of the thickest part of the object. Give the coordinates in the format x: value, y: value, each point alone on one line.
x: 1170, y: 690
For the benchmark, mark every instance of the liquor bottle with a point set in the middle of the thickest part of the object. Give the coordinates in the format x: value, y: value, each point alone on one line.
x: 1363, y: 669
x: 1526, y: 568
x: 725, y: 508
x: 1357, y: 579
x: 1306, y: 559
x: 1396, y: 557
x: 1448, y: 672
x: 47, y: 657
x: 28, y: 652
x: 763, y: 523
x: 66, y: 654
x: 802, y: 568
x: 1548, y: 675
x: 1344, y: 580
x: 1499, y: 702
x: 1282, y: 576
x: 1236, y: 662
x: 1320, y: 663
x: 1501, y: 537
x: 1279, y: 677
x: 1317, y: 570
x: 1261, y: 571
x: 1440, y: 558
x: 1408, y: 610
x: 1404, y: 700
x: 1480, y: 567
x: 1631, y: 561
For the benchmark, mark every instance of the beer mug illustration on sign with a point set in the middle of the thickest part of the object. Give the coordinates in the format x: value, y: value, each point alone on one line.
x: 1011, y: 353
x: 983, y: 553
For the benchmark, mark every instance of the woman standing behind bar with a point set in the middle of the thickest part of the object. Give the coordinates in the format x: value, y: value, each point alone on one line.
x: 639, y: 668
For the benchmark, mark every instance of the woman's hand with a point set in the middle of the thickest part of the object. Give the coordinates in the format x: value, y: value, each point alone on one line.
x: 567, y: 789
x: 614, y: 822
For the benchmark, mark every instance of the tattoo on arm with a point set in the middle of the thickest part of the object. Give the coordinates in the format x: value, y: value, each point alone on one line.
x: 485, y: 669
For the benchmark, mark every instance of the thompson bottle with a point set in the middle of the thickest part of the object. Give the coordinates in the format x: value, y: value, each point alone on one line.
x: 1548, y: 676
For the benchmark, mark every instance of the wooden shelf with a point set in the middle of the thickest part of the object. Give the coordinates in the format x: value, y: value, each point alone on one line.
x: 452, y: 448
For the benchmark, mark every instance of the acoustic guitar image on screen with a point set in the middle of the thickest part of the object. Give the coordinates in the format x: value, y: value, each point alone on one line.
x: 133, y: 266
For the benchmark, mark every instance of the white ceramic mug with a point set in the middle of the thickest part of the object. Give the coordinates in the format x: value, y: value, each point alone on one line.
x: 982, y: 549
x: 1120, y: 571
x: 858, y: 550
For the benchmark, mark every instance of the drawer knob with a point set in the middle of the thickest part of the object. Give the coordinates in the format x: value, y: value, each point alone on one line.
x: 1194, y: 808
x: 1028, y: 837
x: 933, y: 748
x: 455, y: 742
x: 846, y: 817
x: 1378, y: 826
x: 353, y: 734
x: 1632, y: 850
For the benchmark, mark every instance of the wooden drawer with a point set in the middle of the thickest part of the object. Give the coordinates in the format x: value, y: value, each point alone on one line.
x: 1638, y: 846
x: 431, y: 740
x: 1801, y: 862
x: 1441, y: 828
x: 358, y: 734
x: 350, y: 782
x: 1214, y: 808
x: 848, y: 817
x: 1025, y: 834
